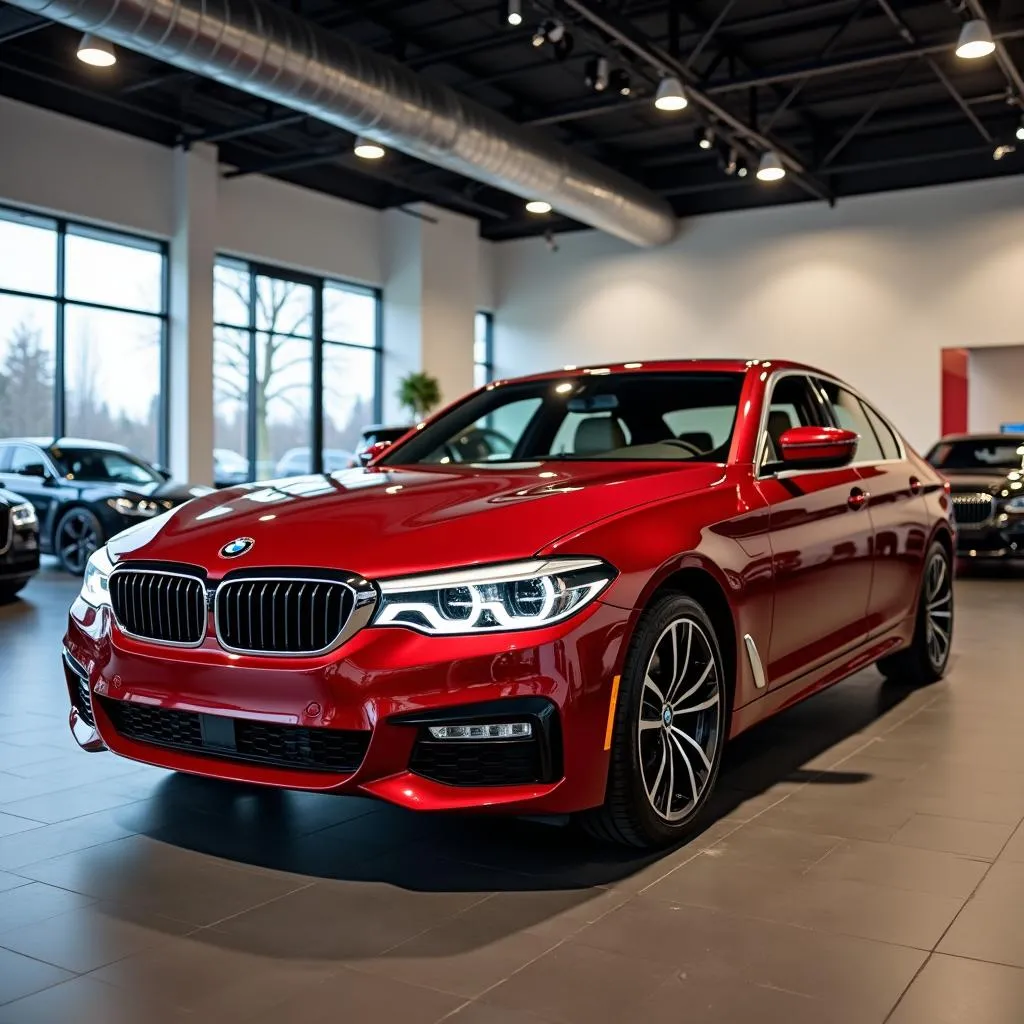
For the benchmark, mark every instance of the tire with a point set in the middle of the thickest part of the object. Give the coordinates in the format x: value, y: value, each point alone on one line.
x: 9, y: 591
x: 644, y: 808
x: 79, y: 533
x: 927, y: 658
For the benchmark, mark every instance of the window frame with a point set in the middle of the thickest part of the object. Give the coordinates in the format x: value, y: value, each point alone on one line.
x: 486, y: 317
x: 317, y: 341
x: 62, y: 227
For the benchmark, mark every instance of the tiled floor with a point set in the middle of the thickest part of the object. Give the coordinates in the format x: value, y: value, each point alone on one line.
x: 866, y: 865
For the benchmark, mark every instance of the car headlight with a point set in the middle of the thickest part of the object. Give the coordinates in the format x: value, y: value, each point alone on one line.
x: 1015, y: 505
x: 489, y: 599
x: 96, y: 582
x: 23, y: 515
x: 135, y: 506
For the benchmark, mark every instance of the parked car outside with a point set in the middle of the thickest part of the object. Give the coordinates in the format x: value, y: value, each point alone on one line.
x: 299, y: 461
x: 229, y: 468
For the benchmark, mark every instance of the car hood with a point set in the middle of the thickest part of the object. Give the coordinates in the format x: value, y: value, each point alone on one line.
x: 169, y: 494
x: 984, y: 481
x: 387, y: 522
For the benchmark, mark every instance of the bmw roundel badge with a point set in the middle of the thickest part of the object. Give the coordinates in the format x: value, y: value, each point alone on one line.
x: 239, y: 546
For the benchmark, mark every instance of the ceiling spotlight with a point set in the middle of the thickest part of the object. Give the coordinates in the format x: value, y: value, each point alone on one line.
x: 367, y: 149
x: 538, y: 207
x: 1005, y: 150
x: 770, y: 168
x: 550, y: 31
x: 975, y: 40
x: 670, y: 95
x: 597, y: 74
x: 515, y: 12
x: 1020, y: 129
x: 741, y: 170
x: 97, y: 52
x: 618, y: 81
x: 705, y: 138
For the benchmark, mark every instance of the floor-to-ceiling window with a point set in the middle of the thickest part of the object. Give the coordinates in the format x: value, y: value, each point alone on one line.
x: 296, y: 371
x: 483, y: 350
x: 83, y: 328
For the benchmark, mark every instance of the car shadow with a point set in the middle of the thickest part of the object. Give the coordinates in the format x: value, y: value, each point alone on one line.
x: 552, y: 870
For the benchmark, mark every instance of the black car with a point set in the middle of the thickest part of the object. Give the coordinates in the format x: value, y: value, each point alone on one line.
x: 377, y: 433
x: 986, y: 478
x: 85, y: 491
x: 19, y: 544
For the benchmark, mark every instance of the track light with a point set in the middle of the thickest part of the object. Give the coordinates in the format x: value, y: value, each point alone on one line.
x: 596, y: 74
x: 670, y: 95
x: 97, y: 52
x: 367, y: 149
x: 1004, y: 150
x: 538, y: 207
x: 550, y: 31
x: 705, y: 138
x: 975, y: 40
x: 770, y: 168
x: 732, y: 162
x: 1020, y: 129
x: 618, y: 81
x: 515, y: 12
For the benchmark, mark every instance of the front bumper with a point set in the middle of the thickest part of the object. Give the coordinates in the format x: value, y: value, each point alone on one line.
x: 20, y: 560
x: 373, y: 695
x: 1001, y: 539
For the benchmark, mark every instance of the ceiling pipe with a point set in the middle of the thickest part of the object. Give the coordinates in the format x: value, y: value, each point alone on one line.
x: 270, y: 52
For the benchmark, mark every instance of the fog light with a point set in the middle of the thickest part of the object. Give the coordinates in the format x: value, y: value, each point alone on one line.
x: 494, y: 731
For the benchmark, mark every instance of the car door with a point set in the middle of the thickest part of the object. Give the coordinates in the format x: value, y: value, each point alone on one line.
x: 27, y: 472
x: 821, y: 540
x: 896, y: 505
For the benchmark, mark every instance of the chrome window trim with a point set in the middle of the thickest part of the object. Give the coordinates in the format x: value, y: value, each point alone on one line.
x: 363, y: 606
x: 762, y: 437
x: 121, y: 570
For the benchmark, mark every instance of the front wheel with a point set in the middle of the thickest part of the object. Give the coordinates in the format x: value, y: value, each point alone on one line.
x: 9, y: 591
x: 926, y: 659
x: 79, y: 534
x: 670, y: 724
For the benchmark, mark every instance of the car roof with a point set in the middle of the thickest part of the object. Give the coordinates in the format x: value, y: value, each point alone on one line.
x: 995, y: 436
x: 66, y: 442
x: 696, y: 365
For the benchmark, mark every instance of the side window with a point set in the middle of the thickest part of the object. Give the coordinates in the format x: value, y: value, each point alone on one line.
x: 23, y: 456
x: 793, y: 403
x: 850, y: 415
x: 884, y: 433
x: 5, y: 457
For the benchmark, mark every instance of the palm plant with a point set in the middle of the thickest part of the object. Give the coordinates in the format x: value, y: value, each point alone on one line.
x: 419, y: 393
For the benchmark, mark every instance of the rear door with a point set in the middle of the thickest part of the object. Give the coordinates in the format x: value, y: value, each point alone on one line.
x: 821, y: 539
x: 896, y: 504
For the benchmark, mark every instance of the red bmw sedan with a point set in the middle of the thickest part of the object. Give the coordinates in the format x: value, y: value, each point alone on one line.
x: 562, y: 594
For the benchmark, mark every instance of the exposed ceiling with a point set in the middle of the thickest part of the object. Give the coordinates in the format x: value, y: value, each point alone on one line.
x: 862, y: 95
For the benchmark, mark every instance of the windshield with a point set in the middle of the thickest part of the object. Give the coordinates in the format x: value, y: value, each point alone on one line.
x: 979, y: 453
x: 102, y: 466
x: 614, y: 417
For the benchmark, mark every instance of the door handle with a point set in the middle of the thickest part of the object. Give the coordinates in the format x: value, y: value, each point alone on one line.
x: 915, y: 485
x: 857, y: 499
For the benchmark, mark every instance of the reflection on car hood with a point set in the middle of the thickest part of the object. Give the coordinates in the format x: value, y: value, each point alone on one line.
x: 381, y: 522
x: 990, y: 481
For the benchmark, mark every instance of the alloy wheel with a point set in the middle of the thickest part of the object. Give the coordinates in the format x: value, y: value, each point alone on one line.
x: 938, y: 609
x: 680, y: 721
x: 77, y: 540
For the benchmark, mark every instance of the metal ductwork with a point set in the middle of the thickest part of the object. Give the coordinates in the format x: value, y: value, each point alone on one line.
x: 266, y: 50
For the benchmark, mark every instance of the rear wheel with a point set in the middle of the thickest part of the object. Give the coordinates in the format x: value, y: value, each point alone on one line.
x: 79, y: 533
x: 669, y: 728
x: 8, y: 591
x: 926, y: 659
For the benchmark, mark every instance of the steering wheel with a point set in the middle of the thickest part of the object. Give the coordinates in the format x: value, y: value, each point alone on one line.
x: 685, y: 445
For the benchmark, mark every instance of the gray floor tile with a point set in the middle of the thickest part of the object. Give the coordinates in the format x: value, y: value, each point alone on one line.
x: 84, y: 1000
x: 954, y: 835
x: 952, y: 990
x: 988, y: 930
x: 21, y: 976
x: 28, y: 904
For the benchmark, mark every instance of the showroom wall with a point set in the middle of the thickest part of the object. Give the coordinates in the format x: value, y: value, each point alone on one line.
x: 871, y: 289
x: 995, y: 387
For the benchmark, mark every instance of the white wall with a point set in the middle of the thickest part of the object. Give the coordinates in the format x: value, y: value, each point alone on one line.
x: 870, y: 290
x: 995, y: 388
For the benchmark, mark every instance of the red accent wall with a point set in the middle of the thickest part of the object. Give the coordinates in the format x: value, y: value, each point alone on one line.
x: 954, y: 390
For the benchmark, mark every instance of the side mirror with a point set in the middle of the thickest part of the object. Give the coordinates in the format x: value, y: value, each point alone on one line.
x: 817, y: 447
x: 367, y: 456
x: 34, y: 469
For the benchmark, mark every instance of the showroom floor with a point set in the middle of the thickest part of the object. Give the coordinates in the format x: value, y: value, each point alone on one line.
x: 866, y: 865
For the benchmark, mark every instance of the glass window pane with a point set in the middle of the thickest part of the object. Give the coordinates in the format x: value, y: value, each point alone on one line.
x: 113, y: 273
x: 28, y: 255
x: 112, y: 377
x: 479, y: 375
x: 284, y: 307
x: 349, y: 377
x: 231, y: 352
x: 850, y: 416
x: 27, y: 347
x: 349, y: 316
x: 231, y: 293
x: 284, y: 394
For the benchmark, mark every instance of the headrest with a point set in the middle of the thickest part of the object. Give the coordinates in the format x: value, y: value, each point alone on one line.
x: 598, y: 434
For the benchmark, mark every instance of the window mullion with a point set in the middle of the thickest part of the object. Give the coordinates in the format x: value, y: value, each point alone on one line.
x: 59, y: 370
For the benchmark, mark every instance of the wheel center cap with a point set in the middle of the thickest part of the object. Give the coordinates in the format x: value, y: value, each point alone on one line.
x: 666, y: 716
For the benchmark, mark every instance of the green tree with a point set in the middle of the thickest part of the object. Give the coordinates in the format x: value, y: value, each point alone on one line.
x: 26, y: 384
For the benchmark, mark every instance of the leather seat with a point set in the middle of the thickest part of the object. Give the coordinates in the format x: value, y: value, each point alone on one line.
x: 598, y: 434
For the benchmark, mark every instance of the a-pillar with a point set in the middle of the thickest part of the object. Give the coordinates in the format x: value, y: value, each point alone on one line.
x: 431, y: 265
x: 190, y: 352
